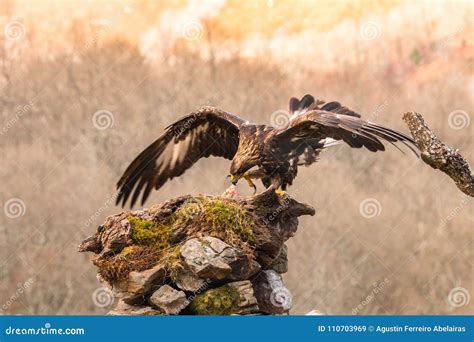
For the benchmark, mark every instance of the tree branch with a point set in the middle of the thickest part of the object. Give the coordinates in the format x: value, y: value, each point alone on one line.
x: 438, y: 155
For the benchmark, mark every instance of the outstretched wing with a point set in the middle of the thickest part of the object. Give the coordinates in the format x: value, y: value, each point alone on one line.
x: 315, y: 125
x: 206, y: 132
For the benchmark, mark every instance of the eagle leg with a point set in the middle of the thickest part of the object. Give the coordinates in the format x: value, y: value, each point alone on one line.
x: 248, y: 178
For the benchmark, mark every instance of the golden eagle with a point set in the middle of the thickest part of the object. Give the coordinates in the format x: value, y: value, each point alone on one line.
x: 274, y: 152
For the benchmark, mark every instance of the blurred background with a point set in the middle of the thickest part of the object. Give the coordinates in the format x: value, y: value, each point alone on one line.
x: 86, y: 85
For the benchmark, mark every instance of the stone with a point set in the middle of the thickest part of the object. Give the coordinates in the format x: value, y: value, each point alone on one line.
x: 141, y: 282
x: 188, y: 281
x: 168, y: 300
x: 123, y: 308
x: 211, y: 258
x: 214, y: 275
x: 138, y: 284
x: 280, y: 264
x: 247, y: 302
x: 272, y: 295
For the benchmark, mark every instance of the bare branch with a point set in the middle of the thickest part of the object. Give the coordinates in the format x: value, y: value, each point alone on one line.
x: 438, y: 155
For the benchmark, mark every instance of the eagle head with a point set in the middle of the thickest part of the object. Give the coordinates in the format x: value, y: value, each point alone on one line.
x: 248, y: 153
x: 239, y: 166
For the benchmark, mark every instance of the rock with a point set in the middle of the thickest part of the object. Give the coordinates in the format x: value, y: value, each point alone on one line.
x: 188, y: 281
x: 280, y: 264
x: 169, y: 300
x: 272, y: 295
x: 133, y: 310
x: 139, y: 284
x: 212, y: 258
x: 247, y: 301
x: 212, y: 273
x: 203, y: 261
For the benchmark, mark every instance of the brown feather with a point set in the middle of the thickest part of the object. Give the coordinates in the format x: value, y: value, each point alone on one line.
x: 353, y: 130
x: 206, y: 132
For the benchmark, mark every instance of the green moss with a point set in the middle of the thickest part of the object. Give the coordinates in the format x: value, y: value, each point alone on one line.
x: 188, y: 211
x: 221, y: 218
x: 219, y: 215
x: 172, y: 261
x: 127, y: 251
x: 227, y: 215
x: 220, y: 301
x: 149, y: 233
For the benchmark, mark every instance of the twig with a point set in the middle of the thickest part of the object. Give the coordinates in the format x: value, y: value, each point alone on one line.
x: 438, y: 155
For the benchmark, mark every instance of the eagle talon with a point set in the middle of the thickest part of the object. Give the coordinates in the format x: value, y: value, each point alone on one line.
x: 280, y: 192
x: 250, y: 183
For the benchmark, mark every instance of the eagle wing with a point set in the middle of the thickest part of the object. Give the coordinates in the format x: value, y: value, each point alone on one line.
x: 293, y: 138
x: 308, y: 102
x: 206, y: 132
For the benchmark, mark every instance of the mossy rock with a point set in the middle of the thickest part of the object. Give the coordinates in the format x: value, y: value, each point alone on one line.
x: 218, y: 215
x: 219, y: 301
x: 209, y: 214
x: 149, y: 233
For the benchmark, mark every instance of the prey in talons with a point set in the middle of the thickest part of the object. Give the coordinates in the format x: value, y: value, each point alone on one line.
x: 247, y: 177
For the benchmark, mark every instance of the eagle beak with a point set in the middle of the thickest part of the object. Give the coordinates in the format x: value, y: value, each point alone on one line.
x: 233, y: 179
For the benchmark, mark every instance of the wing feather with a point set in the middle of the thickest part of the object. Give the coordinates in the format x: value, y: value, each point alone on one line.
x: 206, y: 132
x: 308, y: 103
x: 339, y: 123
